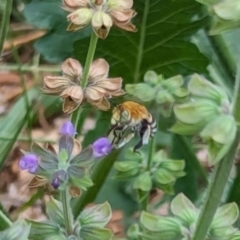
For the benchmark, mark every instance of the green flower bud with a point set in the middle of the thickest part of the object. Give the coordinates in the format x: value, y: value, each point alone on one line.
x: 126, y: 169
x: 173, y: 82
x: 143, y: 182
x: 159, y: 156
x: 163, y: 97
x: 186, y: 129
x: 133, y: 231
x: 227, y: 9
x: 141, y: 90
x: 163, y: 176
x: 96, y: 216
x: 90, y: 233
x: 173, y: 165
x: 183, y: 208
x: 151, y: 78
x: 221, y: 129
x: 180, y: 92
x: 196, y: 112
x: 203, y: 88
x: 225, y: 216
x: 83, y: 183
x: 165, y: 227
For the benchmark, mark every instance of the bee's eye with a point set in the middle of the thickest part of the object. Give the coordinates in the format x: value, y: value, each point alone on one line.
x: 125, y: 115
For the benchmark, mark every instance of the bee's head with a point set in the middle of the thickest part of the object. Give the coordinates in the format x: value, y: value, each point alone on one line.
x: 120, y: 115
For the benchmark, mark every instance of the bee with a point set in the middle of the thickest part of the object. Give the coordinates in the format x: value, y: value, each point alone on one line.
x: 128, y: 119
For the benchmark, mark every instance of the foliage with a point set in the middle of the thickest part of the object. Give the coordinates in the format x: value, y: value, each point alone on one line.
x: 165, y: 66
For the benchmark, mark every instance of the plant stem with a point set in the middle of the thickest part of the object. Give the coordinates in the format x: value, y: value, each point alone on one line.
x: 150, y: 155
x: 29, y: 68
x: 91, y: 51
x: 221, y: 174
x: 90, y: 55
x: 67, y: 212
x: 5, y: 12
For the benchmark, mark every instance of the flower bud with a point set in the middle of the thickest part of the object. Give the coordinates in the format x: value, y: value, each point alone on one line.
x: 143, y: 182
x: 221, y: 130
x: 101, y: 147
x: 197, y: 111
x: 79, y: 19
x: 101, y: 23
x: 68, y: 129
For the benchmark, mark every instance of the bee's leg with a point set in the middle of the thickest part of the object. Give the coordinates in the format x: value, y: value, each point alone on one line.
x: 126, y: 140
x: 145, y: 133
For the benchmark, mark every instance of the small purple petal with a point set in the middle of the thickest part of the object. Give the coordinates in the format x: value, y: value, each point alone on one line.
x: 29, y: 162
x: 56, y: 183
x: 101, y: 147
x: 68, y: 129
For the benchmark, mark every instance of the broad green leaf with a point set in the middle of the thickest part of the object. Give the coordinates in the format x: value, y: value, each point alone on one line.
x: 19, y: 230
x: 161, y: 43
x: 57, y: 44
x: 12, y: 123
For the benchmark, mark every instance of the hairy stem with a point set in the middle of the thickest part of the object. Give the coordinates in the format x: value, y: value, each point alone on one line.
x: 221, y: 174
x: 67, y: 212
x: 90, y: 55
x: 91, y: 51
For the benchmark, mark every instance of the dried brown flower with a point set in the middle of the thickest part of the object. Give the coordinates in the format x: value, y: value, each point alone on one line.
x: 102, y: 14
x: 98, y: 90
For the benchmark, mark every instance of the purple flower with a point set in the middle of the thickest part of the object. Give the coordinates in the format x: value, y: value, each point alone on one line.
x: 68, y: 129
x: 56, y: 183
x: 101, y: 147
x: 29, y: 162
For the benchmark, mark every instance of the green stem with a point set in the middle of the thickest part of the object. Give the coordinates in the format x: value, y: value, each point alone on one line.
x: 90, y: 55
x: 91, y: 51
x: 150, y: 156
x: 29, y: 68
x: 67, y: 212
x: 99, y: 176
x: 221, y: 174
x: 5, y: 12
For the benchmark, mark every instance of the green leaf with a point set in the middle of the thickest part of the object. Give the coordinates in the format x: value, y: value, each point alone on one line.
x: 143, y: 182
x: 54, y: 211
x: 97, y: 216
x: 5, y: 222
x: 51, y: 16
x: 19, y: 230
x: 163, y: 176
x: 12, y: 123
x: 183, y: 208
x: 93, y: 233
x: 168, y: 53
x: 225, y: 216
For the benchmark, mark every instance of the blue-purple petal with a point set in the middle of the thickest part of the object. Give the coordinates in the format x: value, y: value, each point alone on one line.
x: 101, y: 147
x: 68, y: 129
x: 29, y: 162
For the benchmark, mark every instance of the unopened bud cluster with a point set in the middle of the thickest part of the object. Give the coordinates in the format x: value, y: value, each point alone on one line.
x: 162, y: 173
x: 182, y: 224
x: 225, y: 14
x: 208, y: 113
x: 165, y: 92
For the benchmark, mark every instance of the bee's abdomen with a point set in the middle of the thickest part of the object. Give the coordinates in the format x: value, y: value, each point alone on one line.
x: 153, y: 125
